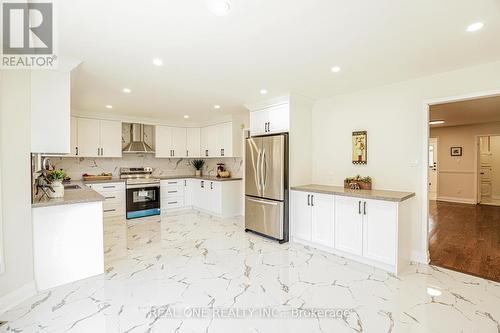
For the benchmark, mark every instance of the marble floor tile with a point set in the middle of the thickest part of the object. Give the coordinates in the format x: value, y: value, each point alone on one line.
x: 193, y: 273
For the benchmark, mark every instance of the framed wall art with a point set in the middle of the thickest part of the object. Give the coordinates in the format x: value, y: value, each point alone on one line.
x: 456, y: 151
x: 359, y: 147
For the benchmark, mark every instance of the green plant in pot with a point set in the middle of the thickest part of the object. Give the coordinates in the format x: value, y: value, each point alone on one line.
x: 198, y: 165
x: 56, y: 178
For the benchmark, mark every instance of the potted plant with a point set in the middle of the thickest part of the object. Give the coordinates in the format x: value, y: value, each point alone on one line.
x: 198, y: 165
x: 56, y: 178
x: 358, y: 182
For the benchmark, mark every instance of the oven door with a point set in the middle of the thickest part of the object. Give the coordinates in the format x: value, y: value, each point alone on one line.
x: 143, y: 200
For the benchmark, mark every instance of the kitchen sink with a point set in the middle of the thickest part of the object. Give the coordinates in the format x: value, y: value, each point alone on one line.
x: 72, y: 187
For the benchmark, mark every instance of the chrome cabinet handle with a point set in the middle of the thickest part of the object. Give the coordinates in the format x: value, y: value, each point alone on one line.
x: 76, y: 148
x: 364, y: 208
x: 172, y: 202
x: 312, y: 200
x: 102, y: 151
x: 359, y: 207
x: 187, y: 153
x: 202, y: 184
x: 206, y: 152
x: 110, y: 198
x: 172, y: 192
x: 211, y: 185
x: 222, y: 152
x: 109, y: 210
x: 309, y: 200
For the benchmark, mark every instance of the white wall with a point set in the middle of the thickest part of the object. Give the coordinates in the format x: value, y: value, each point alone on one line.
x: 16, y: 186
x: 457, y: 174
x: 393, y: 116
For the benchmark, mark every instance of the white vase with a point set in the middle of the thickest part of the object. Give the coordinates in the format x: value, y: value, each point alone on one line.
x: 197, y: 173
x: 58, y: 188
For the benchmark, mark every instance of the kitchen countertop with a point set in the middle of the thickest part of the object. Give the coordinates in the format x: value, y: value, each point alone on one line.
x: 367, y: 194
x: 112, y: 180
x: 209, y: 178
x: 74, y: 196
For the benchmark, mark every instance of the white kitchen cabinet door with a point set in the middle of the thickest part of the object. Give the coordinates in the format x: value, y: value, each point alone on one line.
x: 188, y: 192
x: 88, y: 134
x: 258, y: 122
x: 163, y: 143
x: 348, y: 225
x: 380, y: 230
x: 214, y: 141
x: 73, y: 136
x: 215, y: 197
x: 179, y: 141
x: 204, y: 141
x: 301, y: 215
x: 193, y: 142
x: 226, y: 139
x: 111, y: 138
x: 322, y: 219
x: 198, y: 193
x: 278, y: 119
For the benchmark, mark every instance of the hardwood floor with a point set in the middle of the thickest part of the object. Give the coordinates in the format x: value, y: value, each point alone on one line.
x: 465, y: 238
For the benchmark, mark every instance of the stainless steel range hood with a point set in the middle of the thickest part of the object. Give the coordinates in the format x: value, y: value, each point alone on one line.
x: 137, y: 143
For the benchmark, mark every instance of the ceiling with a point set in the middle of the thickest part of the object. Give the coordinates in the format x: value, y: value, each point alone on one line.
x: 474, y: 111
x: 280, y: 46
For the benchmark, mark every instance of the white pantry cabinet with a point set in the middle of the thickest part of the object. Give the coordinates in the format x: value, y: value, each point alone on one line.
x: 312, y: 217
x: 96, y: 138
x: 375, y: 232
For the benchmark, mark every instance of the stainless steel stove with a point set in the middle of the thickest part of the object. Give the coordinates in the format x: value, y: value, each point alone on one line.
x: 143, y: 192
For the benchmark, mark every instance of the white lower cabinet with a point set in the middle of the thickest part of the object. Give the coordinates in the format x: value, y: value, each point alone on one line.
x: 375, y: 232
x: 115, y: 198
x: 219, y: 198
x: 312, y: 217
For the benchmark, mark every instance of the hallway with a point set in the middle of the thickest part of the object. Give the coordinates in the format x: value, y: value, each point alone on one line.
x: 465, y: 238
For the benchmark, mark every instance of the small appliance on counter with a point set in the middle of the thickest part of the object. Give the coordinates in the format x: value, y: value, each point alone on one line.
x: 222, y: 172
x: 143, y: 192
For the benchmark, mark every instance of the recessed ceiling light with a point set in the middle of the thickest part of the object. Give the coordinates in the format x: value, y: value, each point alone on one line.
x: 436, y: 122
x: 263, y: 91
x: 109, y: 106
x: 157, y: 62
x: 219, y: 7
x: 433, y: 292
x: 186, y: 116
x: 126, y: 90
x: 475, y: 26
x: 216, y: 106
x: 335, y: 69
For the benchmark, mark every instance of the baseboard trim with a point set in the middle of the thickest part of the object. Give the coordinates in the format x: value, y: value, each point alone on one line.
x: 420, y: 257
x: 457, y: 200
x: 17, y: 296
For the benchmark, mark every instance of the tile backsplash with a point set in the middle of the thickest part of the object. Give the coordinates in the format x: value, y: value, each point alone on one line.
x: 76, y: 166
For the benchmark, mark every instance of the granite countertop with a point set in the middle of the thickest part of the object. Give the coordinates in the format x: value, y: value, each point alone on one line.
x: 209, y: 178
x: 71, y: 196
x: 367, y: 194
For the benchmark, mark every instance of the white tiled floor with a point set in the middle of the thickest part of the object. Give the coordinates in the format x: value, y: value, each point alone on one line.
x: 157, y: 271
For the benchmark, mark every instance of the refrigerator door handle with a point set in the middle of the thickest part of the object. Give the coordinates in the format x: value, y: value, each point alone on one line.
x: 264, y: 168
x: 258, y: 171
x: 263, y: 201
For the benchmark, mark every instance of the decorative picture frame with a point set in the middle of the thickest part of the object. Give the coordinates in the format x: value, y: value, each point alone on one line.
x: 359, y: 147
x: 456, y: 151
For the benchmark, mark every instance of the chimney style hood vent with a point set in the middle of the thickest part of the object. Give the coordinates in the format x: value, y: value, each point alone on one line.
x: 137, y: 143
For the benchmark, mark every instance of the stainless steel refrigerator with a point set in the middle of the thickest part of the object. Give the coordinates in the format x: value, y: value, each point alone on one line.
x: 266, y: 186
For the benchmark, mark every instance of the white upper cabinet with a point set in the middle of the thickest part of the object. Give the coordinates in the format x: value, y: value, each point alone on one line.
x: 164, y: 145
x: 193, y: 142
x: 179, y: 142
x: 111, y: 138
x: 50, y: 112
x: 97, y: 138
x: 88, y: 137
x: 217, y: 140
x: 270, y: 120
x: 73, y: 136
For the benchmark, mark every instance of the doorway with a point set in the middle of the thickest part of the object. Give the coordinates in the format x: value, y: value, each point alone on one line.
x: 463, y: 186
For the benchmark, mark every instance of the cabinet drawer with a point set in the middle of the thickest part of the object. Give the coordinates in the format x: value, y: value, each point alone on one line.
x: 172, y: 191
x: 172, y: 203
x: 117, y: 197
x: 108, y: 187
x: 113, y: 209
